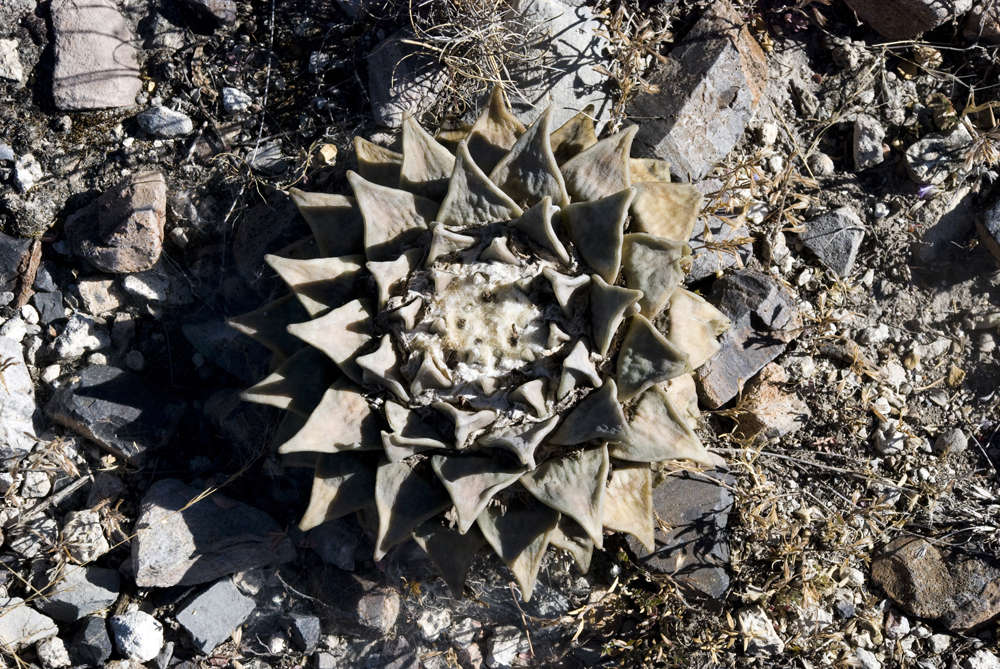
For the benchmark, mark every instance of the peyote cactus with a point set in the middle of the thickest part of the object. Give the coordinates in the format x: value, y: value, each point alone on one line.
x: 452, y: 353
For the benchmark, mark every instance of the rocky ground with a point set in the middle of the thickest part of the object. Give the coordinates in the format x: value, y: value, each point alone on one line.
x: 850, y: 231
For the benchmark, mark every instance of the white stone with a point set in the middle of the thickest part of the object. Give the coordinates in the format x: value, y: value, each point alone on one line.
x: 137, y: 635
x: 981, y: 659
x: 84, y: 536
x: 29, y: 314
x: 36, y: 484
x: 433, y: 623
x: 768, y: 134
x: 938, y: 643
x: 51, y: 373
x: 52, y: 653
x: 759, y: 632
x: 234, y: 100
x: 503, y: 647
x: 97, y: 359
x: 15, y: 329
x: 867, y: 659
x: 81, y: 334
x: 27, y: 172
x: 10, y: 62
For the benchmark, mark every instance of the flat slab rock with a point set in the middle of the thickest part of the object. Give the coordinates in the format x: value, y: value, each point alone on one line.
x: 904, y: 19
x: 21, y: 625
x: 764, y: 319
x: 709, y: 89
x: 95, y: 62
x: 213, y: 615
x: 81, y: 592
x: 122, y: 230
x: 959, y: 590
x: 835, y: 238
x: 120, y: 411
x: 17, y: 402
x: 211, y: 538
x: 696, y: 550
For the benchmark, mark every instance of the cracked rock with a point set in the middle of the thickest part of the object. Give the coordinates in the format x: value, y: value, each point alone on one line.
x: 934, y: 158
x: 213, y: 615
x: 835, y: 238
x: 21, y: 625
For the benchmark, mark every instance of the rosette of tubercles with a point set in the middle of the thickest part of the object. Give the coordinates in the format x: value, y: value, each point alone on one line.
x: 489, y: 342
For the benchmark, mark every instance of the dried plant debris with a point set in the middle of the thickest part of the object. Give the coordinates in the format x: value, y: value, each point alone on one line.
x: 491, y: 335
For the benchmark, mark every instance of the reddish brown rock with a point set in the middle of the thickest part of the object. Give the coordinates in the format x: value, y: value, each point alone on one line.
x: 904, y: 19
x: 769, y: 411
x: 960, y: 590
x: 122, y: 230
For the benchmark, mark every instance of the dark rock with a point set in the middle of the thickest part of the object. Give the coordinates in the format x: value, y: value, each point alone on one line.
x: 81, y: 592
x: 50, y: 306
x: 378, y: 609
x: 268, y: 159
x: 961, y: 591
x: 120, y: 411
x: 335, y: 541
x: 160, y: 121
x: 218, y: 11
x: 213, y: 615
x: 19, y: 260
x: 988, y: 226
x: 714, y: 248
x: 769, y: 412
x: 44, y: 281
x: 233, y: 351
x: 983, y: 24
x: 844, y: 608
x: 835, y: 238
x: 91, y: 646
x: 905, y: 19
x: 17, y: 403
x: 211, y: 538
x: 402, y: 80
x: 246, y: 426
x: 166, y: 654
x: 945, y: 223
x: 95, y: 62
x: 305, y: 631
x: 764, y: 319
x: 696, y: 550
x: 396, y: 654
x: 708, y: 91
x: 122, y: 230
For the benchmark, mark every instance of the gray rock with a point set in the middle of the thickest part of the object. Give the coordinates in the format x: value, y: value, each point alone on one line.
x: 164, y: 122
x: 52, y: 653
x: 106, y: 489
x: 987, y: 225
x: 868, y: 136
x: 951, y: 442
x: 820, y: 164
x: 305, y: 631
x: 17, y: 402
x: 945, y: 223
x: 220, y: 11
x: 234, y: 100
x: 889, y: 440
x: 696, y: 550
x: 137, y: 635
x: 6, y: 153
x: 570, y: 47
x: 10, y: 62
x: 50, y: 306
x: 36, y: 485
x: 81, y: 592
x: 80, y: 335
x: 95, y: 62
x: 119, y: 411
x: 27, y: 172
x: 211, y: 538
x: 835, y: 238
x: 934, y: 158
x: 122, y: 230
x: 866, y: 659
x: 83, y: 536
x: 21, y: 626
x: 335, y: 541
x: 34, y: 537
x: 402, y: 80
x: 764, y: 319
x: 213, y: 615
x: 379, y: 609
x: 714, y: 249
x: 905, y: 19
x: 268, y: 159
x: 708, y: 90
x: 758, y: 630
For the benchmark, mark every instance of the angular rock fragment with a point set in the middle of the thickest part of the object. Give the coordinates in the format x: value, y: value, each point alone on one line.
x: 17, y: 402
x: 937, y: 156
x: 835, y: 238
x: 708, y: 91
x: 905, y: 19
x: 122, y: 230
x: 95, y: 62
x: 695, y: 551
x: 178, y: 542
x: 764, y: 319
x: 769, y: 412
x: 213, y: 615
x: 21, y: 626
x: 117, y: 410
x: 81, y: 592
x: 91, y: 646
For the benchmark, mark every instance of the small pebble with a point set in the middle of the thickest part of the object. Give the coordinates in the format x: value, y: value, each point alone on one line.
x: 97, y: 359
x: 51, y: 373
x: 29, y: 314
x: 821, y: 164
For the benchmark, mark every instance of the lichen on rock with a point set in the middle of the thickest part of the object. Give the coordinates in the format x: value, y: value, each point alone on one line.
x: 487, y: 349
